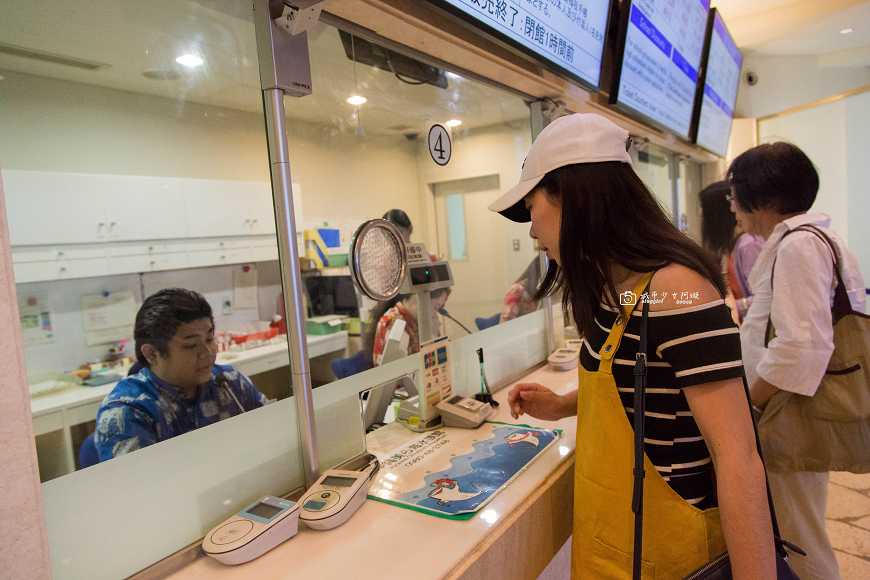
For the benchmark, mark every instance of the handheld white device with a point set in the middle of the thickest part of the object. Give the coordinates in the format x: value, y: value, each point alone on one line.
x: 253, y: 531
x: 459, y: 411
x: 336, y: 496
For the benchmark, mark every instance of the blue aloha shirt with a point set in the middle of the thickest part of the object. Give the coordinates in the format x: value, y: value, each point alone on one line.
x: 142, y: 409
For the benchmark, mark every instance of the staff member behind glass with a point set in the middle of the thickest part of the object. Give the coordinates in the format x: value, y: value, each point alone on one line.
x: 606, y: 235
x: 774, y: 186
x: 179, y: 387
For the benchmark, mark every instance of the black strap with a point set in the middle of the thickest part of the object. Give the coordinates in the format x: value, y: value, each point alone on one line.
x: 639, y: 415
x: 639, y: 422
x: 842, y: 306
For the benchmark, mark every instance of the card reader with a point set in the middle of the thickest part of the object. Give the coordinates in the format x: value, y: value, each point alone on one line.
x: 336, y: 496
x: 253, y: 531
x: 459, y: 411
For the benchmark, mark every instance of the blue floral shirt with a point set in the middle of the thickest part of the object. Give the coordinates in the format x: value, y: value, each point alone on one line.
x: 142, y: 409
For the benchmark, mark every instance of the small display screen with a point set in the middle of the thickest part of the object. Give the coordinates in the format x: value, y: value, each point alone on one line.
x: 264, y: 510
x: 429, y: 274
x: 314, y: 505
x: 455, y: 399
x: 338, y: 481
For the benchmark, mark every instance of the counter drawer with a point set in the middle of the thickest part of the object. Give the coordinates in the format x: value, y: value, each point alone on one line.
x: 219, y: 257
x: 218, y: 244
x: 153, y: 263
x: 21, y: 254
x: 146, y: 248
x: 59, y: 270
x: 47, y: 423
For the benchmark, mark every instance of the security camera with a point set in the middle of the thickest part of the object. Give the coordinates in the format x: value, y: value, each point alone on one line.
x: 751, y: 78
x: 299, y: 15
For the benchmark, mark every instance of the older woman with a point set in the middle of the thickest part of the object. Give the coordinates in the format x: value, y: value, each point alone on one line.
x: 608, y: 240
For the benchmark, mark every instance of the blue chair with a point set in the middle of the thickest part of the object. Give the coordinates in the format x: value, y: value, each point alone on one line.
x: 88, y: 452
x: 345, y: 367
x: 483, y: 323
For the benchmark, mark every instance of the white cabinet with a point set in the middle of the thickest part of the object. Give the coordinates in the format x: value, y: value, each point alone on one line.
x: 144, y: 208
x: 228, y: 208
x: 54, y: 208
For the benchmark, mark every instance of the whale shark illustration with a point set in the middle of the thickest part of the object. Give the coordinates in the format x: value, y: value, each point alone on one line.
x: 447, y: 490
x: 527, y: 437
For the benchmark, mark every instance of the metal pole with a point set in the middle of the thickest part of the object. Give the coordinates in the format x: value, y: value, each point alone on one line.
x: 291, y: 281
x: 537, y: 119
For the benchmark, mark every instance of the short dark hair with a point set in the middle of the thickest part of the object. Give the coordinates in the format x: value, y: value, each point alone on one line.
x: 162, y: 313
x: 399, y: 218
x: 776, y: 175
x: 717, y: 219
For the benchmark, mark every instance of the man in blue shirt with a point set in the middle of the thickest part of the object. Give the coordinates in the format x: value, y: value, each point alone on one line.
x: 179, y: 387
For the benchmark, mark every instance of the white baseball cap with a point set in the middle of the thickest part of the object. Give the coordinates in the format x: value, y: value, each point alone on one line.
x: 577, y: 138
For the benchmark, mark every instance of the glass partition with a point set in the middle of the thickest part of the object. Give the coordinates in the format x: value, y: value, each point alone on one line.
x: 385, y: 134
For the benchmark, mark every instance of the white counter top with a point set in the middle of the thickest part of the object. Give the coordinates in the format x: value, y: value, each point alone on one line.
x: 383, y: 541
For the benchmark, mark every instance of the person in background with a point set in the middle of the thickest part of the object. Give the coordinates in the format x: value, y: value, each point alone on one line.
x: 609, y: 242
x: 404, y: 307
x: 735, y: 249
x: 774, y: 186
x: 518, y: 301
x: 179, y: 387
x: 403, y: 223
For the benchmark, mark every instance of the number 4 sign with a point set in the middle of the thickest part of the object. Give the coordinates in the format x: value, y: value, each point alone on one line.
x: 439, y: 144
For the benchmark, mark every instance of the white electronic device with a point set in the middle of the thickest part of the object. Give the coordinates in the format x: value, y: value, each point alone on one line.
x: 459, y: 411
x: 253, y: 531
x: 336, y: 496
x: 567, y: 358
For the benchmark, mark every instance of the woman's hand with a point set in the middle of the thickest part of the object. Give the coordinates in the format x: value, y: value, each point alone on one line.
x: 540, y: 402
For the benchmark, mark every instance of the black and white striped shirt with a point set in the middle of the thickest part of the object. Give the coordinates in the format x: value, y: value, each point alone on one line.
x: 687, y: 346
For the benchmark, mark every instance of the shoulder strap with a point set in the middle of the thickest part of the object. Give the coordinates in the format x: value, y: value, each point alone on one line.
x: 842, y: 306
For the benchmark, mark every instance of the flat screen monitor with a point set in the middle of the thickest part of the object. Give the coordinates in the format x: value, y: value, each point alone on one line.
x: 717, y: 89
x: 565, y: 37
x: 661, y: 54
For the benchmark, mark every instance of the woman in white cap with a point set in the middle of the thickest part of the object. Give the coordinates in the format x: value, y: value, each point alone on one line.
x: 609, y: 243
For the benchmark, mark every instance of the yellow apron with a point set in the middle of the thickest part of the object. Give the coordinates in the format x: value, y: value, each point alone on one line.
x: 678, y: 538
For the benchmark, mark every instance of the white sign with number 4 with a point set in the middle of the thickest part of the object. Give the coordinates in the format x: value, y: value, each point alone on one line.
x: 439, y: 144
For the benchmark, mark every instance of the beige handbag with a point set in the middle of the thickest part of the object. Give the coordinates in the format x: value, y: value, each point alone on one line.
x: 829, y: 431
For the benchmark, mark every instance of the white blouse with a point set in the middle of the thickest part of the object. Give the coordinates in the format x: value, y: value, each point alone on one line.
x: 796, y: 359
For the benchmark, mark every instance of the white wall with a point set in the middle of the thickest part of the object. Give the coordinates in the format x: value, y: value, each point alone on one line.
x: 832, y: 135
x: 789, y: 81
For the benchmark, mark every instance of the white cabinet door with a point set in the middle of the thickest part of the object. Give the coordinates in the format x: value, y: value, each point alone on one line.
x: 216, y: 208
x: 261, y: 209
x: 144, y: 208
x: 54, y: 208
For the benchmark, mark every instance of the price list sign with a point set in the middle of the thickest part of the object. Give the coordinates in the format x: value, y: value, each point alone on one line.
x: 663, y: 46
x: 566, y: 35
x: 720, y: 89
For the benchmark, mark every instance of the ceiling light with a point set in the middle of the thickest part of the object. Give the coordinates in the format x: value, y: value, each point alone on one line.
x: 454, y: 123
x: 189, y: 60
x: 356, y: 100
x: 847, y: 30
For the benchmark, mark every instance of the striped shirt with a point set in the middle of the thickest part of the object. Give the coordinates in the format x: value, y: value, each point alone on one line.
x: 686, y: 346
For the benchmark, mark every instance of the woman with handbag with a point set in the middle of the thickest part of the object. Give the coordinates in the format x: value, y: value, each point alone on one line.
x: 611, y: 247
x: 788, y: 334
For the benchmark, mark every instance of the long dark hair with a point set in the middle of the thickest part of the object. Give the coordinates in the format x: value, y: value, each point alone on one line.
x: 610, y: 217
x: 717, y: 219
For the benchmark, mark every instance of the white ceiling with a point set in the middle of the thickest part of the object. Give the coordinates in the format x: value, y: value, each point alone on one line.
x: 801, y: 28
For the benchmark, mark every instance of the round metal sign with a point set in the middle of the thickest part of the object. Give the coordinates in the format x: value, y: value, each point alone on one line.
x: 439, y: 144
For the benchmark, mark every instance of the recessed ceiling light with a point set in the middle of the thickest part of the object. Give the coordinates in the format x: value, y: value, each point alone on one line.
x: 847, y: 30
x: 190, y: 60
x: 356, y: 100
x: 454, y: 123
x: 161, y: 74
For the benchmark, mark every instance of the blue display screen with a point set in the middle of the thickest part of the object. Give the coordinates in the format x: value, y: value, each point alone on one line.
x: 663, y: 46
x: 567, y: 34
x: 720, y: 89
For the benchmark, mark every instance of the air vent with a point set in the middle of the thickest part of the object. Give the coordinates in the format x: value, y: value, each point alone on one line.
x: 50, y: 57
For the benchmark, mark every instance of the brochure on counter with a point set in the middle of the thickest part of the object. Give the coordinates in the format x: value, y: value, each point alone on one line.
x: 453, y: 473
